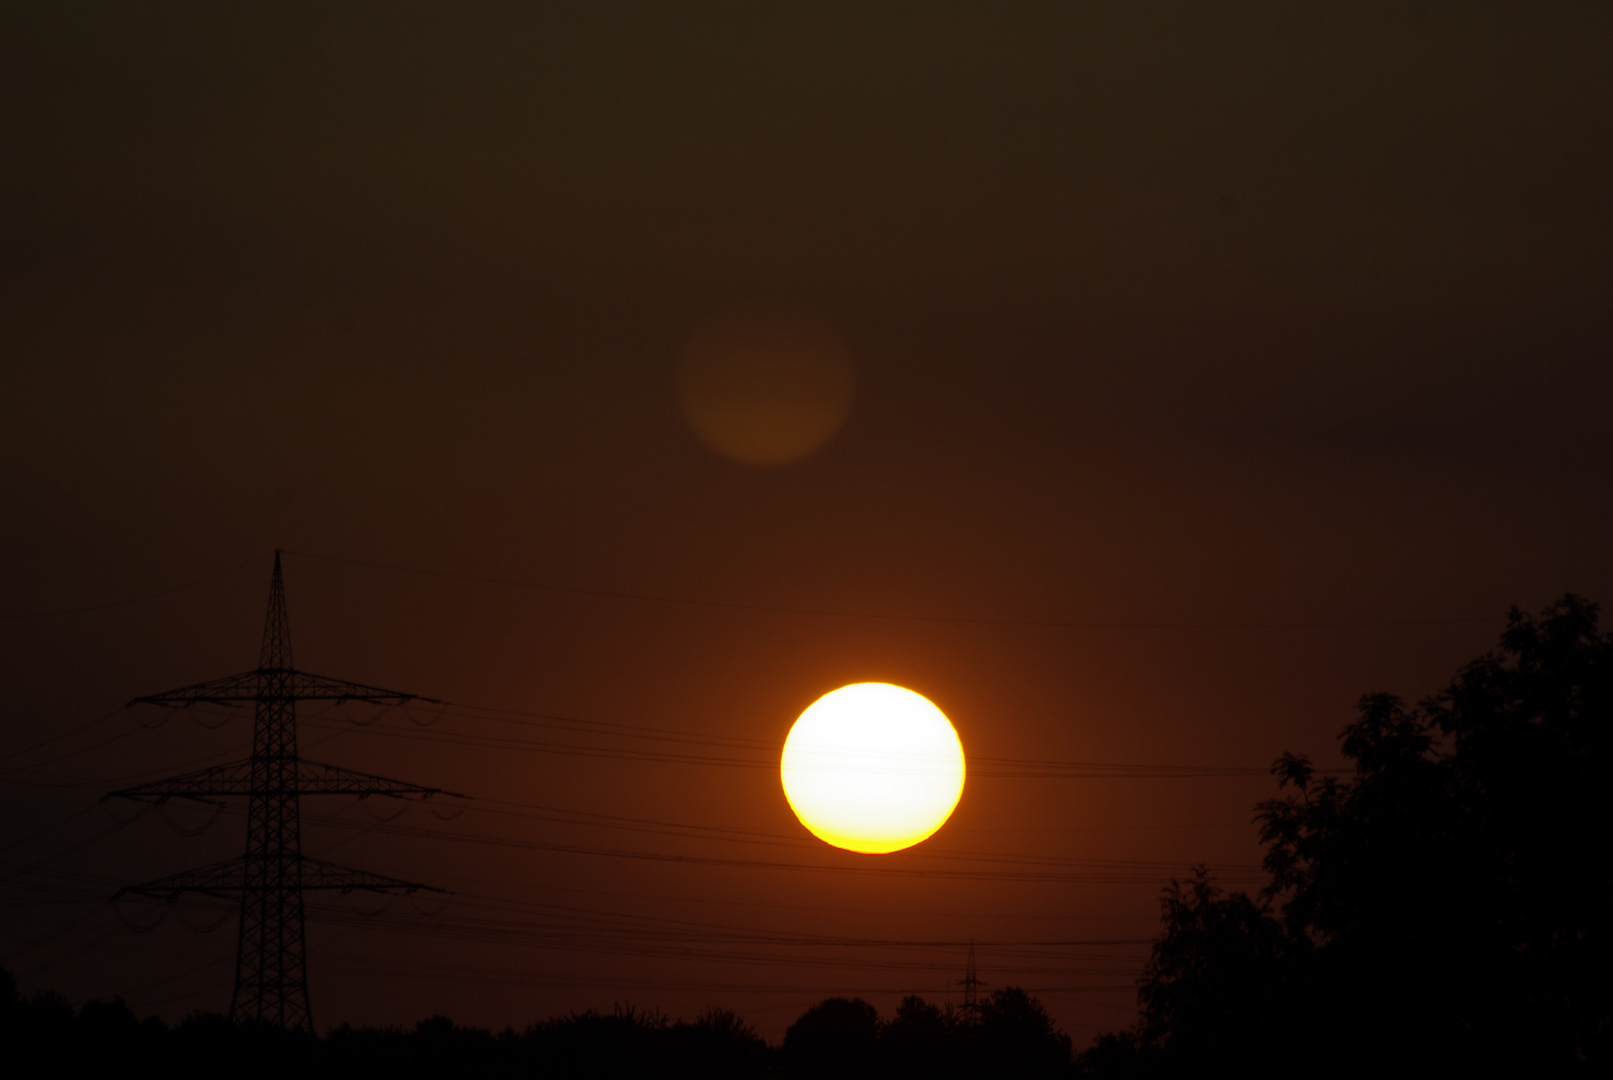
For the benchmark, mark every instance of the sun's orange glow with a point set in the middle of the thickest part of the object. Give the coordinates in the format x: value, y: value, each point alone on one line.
x: 872, y: 768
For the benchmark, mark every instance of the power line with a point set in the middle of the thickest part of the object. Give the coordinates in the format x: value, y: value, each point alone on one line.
x: 9, y: 754
x: 1094, y: 871
x: 979, y: 766
x: 505, y: 921
x: 520, y: 978
x: 958, y: 620
x: 749, y: 904
x: 181, y: 587
x: 7, y: 778
x: 110, y: 739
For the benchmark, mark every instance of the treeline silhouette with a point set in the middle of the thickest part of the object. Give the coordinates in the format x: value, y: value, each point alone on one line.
x: 1444, y: 907
x: 1010, y: 1034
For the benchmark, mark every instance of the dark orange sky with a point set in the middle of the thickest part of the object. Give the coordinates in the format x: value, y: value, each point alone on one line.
x: 1264, y: 350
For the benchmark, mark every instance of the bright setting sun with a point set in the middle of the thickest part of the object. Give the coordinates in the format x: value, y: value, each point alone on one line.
x: 872, y: 768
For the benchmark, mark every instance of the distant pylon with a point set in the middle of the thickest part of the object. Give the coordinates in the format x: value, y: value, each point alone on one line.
x: 971, y: 988
x: 271, y: 967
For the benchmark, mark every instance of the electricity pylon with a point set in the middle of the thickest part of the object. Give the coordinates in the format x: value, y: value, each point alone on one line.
x: 271, y: 966
x: 971, y: 987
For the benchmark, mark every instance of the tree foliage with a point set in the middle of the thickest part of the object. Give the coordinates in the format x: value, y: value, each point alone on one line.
x: 1013, y: 1036
x: 1445, y: 904
x: 1212, y: 991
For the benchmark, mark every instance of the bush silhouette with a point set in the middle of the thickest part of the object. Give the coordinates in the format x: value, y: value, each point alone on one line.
x: 1215, y: 991
x: 835, y: 1038
x: 1016, y: 1037
x: 717, y: 1046
x: 921, y: 1041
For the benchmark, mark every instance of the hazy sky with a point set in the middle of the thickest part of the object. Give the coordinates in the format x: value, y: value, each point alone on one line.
x: 1213, y: 366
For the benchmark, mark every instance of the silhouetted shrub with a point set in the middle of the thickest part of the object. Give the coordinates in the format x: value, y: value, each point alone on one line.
x: 624, y: 1043
x: 835, y: 1038
x: 719, y: 1045
x: 1216, y: 991
x: 1015, y: 1037
x: 921, y: 1042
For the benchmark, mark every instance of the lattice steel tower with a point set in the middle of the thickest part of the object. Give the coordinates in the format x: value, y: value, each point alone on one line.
x: 971, y: 989
x: 271, y: 967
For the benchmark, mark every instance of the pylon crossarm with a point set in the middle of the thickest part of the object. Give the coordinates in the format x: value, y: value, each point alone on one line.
x: 310, y: 687
x: 225, y: 880
x: 228, y: 880
x: 278, y: 684
x: 323, y: 875
x: 315, y: 778
x: 230, y: 690
x: 202, y: 785
x: 312, y: 778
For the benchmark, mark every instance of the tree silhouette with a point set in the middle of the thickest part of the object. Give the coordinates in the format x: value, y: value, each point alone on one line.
x: 921, y: 1042
x: 1015, y: 1037
x: 1451, y: 886
x: 43, y: 1036
x: 1443, y: 907
x: 718, y: 1045
x: 835, y: 1038
x: 1214, y: 992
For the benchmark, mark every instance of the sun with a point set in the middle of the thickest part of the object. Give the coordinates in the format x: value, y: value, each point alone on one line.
x: 872, y: 768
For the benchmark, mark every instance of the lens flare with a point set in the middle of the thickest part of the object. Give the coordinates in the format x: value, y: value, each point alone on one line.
x: 765, y: 386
